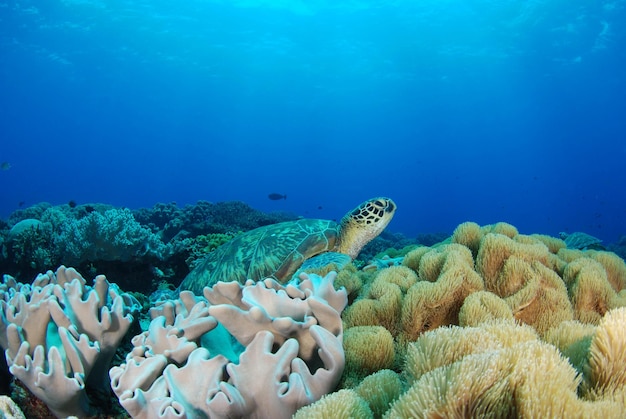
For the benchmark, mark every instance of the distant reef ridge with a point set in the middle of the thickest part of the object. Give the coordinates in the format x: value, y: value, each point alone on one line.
x: 146, y: 246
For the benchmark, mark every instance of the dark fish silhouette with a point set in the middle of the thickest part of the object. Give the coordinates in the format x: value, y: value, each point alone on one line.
x: 276, y: 196
x: 5, y: 165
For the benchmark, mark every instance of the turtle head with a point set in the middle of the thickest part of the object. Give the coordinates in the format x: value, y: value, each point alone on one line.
x: 363, y: 224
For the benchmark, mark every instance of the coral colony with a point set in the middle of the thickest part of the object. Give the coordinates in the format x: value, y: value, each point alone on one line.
x: 488, y: 322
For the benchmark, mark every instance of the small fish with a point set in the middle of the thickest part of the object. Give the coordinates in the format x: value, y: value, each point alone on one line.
x: 276, y: 196
x: 5, y: 165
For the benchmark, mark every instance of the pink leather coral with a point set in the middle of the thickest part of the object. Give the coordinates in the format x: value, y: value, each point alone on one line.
x: 255, y: 350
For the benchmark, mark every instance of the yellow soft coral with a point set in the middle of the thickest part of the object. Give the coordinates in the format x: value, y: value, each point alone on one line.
x: 529, y: 308
x: 614, y: 266
x: 350, y: 279
x: 468, y: 234
x: 367, y: 349
x: 379, y: 390
x: 568, y: 255
x: 401, y: 276
x: 432, y: 262
x: 541, y: 300
x: 496, y: 370
x: 496, y: 249
x: 383, y: 302
x: 591, y: 293
x: 475, y: 387
x: 607, y: 355
x: 429, y: 305
x: 483, y: 306
x: 553, y: 244
x: 447, y: 345
x: 573, y: 339
x: 503, y: 228
x: 344, y: 404
x: 413, y: 258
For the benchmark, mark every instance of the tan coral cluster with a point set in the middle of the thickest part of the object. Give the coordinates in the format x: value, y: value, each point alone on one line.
x: 554, y: 302
x: 503, y: 369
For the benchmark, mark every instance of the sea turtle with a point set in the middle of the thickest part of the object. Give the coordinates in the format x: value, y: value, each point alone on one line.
x: 279, y: 250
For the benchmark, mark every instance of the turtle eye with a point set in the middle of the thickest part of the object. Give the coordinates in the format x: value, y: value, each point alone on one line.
x: 391, y: 207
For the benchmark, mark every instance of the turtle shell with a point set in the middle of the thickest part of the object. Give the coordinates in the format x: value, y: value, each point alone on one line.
x: 274, y: 251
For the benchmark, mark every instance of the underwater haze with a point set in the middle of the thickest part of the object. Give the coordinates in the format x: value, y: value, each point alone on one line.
x: 477, y: 110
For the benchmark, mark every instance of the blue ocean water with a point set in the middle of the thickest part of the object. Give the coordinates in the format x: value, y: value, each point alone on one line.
x: 476, y: 110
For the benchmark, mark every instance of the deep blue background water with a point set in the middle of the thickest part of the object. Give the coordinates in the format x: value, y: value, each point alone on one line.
x: 459, y: 110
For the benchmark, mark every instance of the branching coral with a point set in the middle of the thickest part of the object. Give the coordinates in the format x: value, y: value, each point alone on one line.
x: 28, y: 244
x: 112, y: 235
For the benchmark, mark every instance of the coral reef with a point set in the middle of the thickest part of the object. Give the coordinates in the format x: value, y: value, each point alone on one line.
x: 151, y: 244
x: 500, y: 370
x: 503, y: 300
x: 205, y: 218
x: 112, y: 235
x: 489, y: 322
x: 188, y: 364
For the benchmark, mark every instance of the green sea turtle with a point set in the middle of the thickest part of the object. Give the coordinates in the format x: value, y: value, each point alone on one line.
x: 279, y: 250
